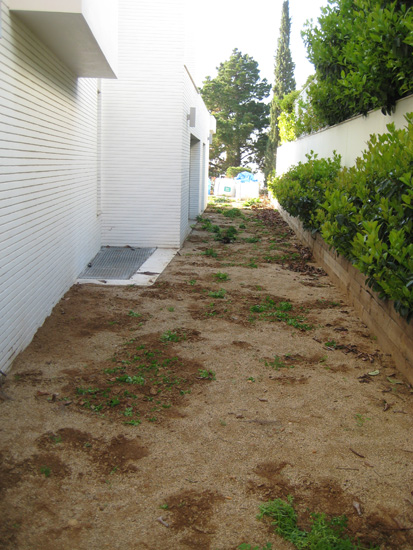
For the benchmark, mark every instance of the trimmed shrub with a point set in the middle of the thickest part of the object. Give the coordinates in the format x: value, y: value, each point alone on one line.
x: 302, y: 189
x: 365, y: 212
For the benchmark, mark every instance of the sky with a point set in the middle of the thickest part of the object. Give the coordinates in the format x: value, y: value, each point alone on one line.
x: 253, y: 27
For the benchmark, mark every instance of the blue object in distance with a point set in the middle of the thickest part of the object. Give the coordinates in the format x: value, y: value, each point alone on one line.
x: 246, y: 177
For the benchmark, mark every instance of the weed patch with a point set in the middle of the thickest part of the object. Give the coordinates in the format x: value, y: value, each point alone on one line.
x: 269, y: 310
x: 324, y: 534
x: 144, y: 380
x: 233, y: 213
x: 221, y: 276
x: 218, y: 293
x: 210, y: 252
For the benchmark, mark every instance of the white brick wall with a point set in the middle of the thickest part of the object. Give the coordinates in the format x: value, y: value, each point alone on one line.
x: 53, y: 130
x: 141, y: 170
x: 49, y: 228
x: 146, y: 135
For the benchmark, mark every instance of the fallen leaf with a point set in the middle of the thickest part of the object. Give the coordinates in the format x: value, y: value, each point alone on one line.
x: 394, y: 381
x: 374, y: 373
x: 357, y: 507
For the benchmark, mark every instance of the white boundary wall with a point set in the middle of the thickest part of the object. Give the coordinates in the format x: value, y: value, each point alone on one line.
x: 349, y: 138
x: 49, y: 228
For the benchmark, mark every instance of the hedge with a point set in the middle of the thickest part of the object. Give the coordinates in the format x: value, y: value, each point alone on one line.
x: 365, y: 212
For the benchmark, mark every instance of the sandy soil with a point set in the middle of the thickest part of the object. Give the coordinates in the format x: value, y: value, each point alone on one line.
x: 162, y: 417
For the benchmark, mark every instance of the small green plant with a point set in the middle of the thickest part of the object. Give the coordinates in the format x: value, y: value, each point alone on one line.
x: 125, y: 378
x: 171, y: 308
x: 170, y: 336
x: 87, y: 391
x: 133, y: 422
x: 134, y: 313
x: 192, y: 282
x: 222, y: 276
x: 46, y: 471
x: 164, y: 507
x: 252, y: 264
x: 210, y: 252
x: 252, y: 240
x: 251, y: 379
x: 228, y: 235
x: 331, y: 344
x: 128, y: 411
x: 207, y: 374
x: 114, y: 402
x: 360, y: 419
x: 218, y: 293
x: 278, y: 363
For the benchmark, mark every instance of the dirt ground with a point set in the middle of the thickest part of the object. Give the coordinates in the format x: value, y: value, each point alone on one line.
x: 162, y: 417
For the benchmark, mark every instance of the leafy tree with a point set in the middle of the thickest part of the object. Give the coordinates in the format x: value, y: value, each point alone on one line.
x: 235, y: 97
x: 284, y: 83
x: 362, y: 51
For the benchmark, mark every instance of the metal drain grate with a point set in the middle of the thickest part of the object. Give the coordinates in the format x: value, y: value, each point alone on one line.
x: 115, y: 262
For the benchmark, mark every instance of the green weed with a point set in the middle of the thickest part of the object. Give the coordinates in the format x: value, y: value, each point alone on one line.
x: 134, y: 314
x: 331, y: 344
x: 222, y: 276
x: 207, y: 374
x: 278, y: 363
x: 252, y: 240
x: 227, y: 235
x: 114, y: 402
x: 171, y: 336
x: 271, y: 311
x: 126, y: 379
x: 46, y: 471
x: 210, y: 252
x: 87, y: 391
x: 133, y: 422
x: 218, y: 293
x: 360, y: 419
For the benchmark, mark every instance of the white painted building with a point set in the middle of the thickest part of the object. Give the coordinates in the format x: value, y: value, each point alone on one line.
x: 103, y: 141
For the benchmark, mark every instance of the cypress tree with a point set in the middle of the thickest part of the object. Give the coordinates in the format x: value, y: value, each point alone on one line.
x: 284, y: 83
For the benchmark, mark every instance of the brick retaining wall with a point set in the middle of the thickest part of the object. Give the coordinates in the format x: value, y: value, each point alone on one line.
x: 394, y: 334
